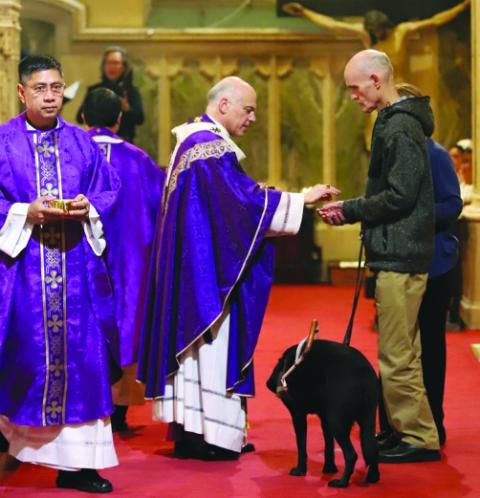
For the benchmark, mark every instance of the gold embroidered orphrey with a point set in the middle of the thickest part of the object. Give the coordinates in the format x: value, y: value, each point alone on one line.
x: 215, y: 148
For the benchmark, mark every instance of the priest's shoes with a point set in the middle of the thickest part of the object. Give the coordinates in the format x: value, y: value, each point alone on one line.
x: 183, y: 449
x: 186, y: 448
x: 215, y: 453
x: 87, y: 480
x: 408, y: 453
x: 248, y: 448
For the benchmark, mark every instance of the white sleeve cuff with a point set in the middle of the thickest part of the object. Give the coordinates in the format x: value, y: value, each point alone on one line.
x: 93, y: 229
x: 288, y: 216
x: 16, y: 231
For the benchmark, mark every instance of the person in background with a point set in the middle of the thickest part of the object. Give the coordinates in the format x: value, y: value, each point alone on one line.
x: 128, y: 251
x: 58, y: 337
x: 461, y: 154
x: 455, y: 153
x: 464, y: 172
x: 117, y: 76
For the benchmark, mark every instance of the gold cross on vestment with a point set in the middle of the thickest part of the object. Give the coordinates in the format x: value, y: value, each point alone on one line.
x: 53, y: 410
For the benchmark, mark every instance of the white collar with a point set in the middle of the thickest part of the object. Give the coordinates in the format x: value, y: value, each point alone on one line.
x: 107, y: 139
x: 183, y: 131
x: 32, y: 128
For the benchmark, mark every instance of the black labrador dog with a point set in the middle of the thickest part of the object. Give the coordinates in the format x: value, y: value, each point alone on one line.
x: 337, y: 383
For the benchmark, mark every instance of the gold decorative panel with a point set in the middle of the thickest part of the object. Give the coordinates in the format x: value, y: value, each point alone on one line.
x: 253, y: 143
x: 301, y: 127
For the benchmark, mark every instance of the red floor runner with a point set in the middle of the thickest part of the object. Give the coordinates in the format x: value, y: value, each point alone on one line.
x: 147, y: 469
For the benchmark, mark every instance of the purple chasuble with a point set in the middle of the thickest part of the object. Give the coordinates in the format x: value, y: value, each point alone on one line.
x: 58, y: 333
x: 210, y: 248
x: 129, y: 246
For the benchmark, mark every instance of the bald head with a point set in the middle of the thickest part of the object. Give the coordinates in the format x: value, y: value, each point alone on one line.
x: 232, y: 102
x: 231, y: 87
x: 372, y: 62
x: 369, y: 77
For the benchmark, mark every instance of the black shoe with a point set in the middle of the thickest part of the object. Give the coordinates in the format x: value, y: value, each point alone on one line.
x: 387, y: 440
x: 183, y: 449
x: 211, y: 452
x: 4, y: 444
x: 380, y: 436
x: 87, y: 480
x: 408, y: 453
x: 248, y: 448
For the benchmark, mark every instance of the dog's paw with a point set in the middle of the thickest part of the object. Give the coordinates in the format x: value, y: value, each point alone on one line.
x: 329, y: 468
x: 337, y: 483
x: 298, y: 471
x: 373, y: 475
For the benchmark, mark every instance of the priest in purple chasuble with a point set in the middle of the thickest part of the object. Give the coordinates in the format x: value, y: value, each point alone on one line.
x: 128, y: 250
x: 59, y: 344
x: 211, y: 277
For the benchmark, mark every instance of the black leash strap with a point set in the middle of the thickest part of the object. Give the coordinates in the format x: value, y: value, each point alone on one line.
x: 358, y: 288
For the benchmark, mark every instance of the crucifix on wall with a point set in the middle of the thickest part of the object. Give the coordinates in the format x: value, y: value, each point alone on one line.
x: 377, y: 30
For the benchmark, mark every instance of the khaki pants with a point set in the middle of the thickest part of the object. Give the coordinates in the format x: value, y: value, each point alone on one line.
x: 398, y: 297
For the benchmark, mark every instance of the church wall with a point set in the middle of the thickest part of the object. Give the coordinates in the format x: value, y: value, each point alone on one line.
x: 117, y: 13
x: 319, y: 132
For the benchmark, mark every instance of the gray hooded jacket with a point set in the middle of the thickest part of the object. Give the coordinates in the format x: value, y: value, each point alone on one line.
x: 397, y: 211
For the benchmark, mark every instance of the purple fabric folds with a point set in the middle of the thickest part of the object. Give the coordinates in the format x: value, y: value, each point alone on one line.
x: 209, y: 248
x: 129, y: 246
x: 58, y: 332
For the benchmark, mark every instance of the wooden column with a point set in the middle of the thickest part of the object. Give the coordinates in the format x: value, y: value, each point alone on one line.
x: 166, y: 70
x: 470, y: 304
x: 475, y: 51
x: 274, y: 69
x: 323, y: 70
x: 274, y: 132
x: 9, y: 57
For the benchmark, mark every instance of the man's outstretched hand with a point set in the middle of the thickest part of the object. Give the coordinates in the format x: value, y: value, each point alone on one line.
x: 332, y: 213
x: 319, y: 193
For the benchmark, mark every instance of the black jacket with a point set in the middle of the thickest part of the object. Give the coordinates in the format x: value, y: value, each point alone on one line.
x: 131, y: 118
x: 397, y: 212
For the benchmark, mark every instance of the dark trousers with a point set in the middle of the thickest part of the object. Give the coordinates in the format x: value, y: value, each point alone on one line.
x: 432, y: 318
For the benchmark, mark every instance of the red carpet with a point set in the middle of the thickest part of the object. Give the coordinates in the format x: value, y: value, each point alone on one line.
x: 148, y: 471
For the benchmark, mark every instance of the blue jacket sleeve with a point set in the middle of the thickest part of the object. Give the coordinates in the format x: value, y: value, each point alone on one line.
x: 448, y: 203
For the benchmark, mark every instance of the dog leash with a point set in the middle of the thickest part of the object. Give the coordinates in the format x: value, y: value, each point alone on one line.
x: 358, y: 287
x: 305, y: 344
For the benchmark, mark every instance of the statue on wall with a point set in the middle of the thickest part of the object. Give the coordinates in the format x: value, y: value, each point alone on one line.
x: 378, y: 31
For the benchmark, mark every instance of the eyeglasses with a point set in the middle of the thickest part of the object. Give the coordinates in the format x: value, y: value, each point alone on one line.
x: 41, y: 89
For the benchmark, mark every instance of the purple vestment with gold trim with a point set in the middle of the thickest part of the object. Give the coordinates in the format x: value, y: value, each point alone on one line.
x: 58, y: 333
x: 129, y: 249
x: 210, y: 248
